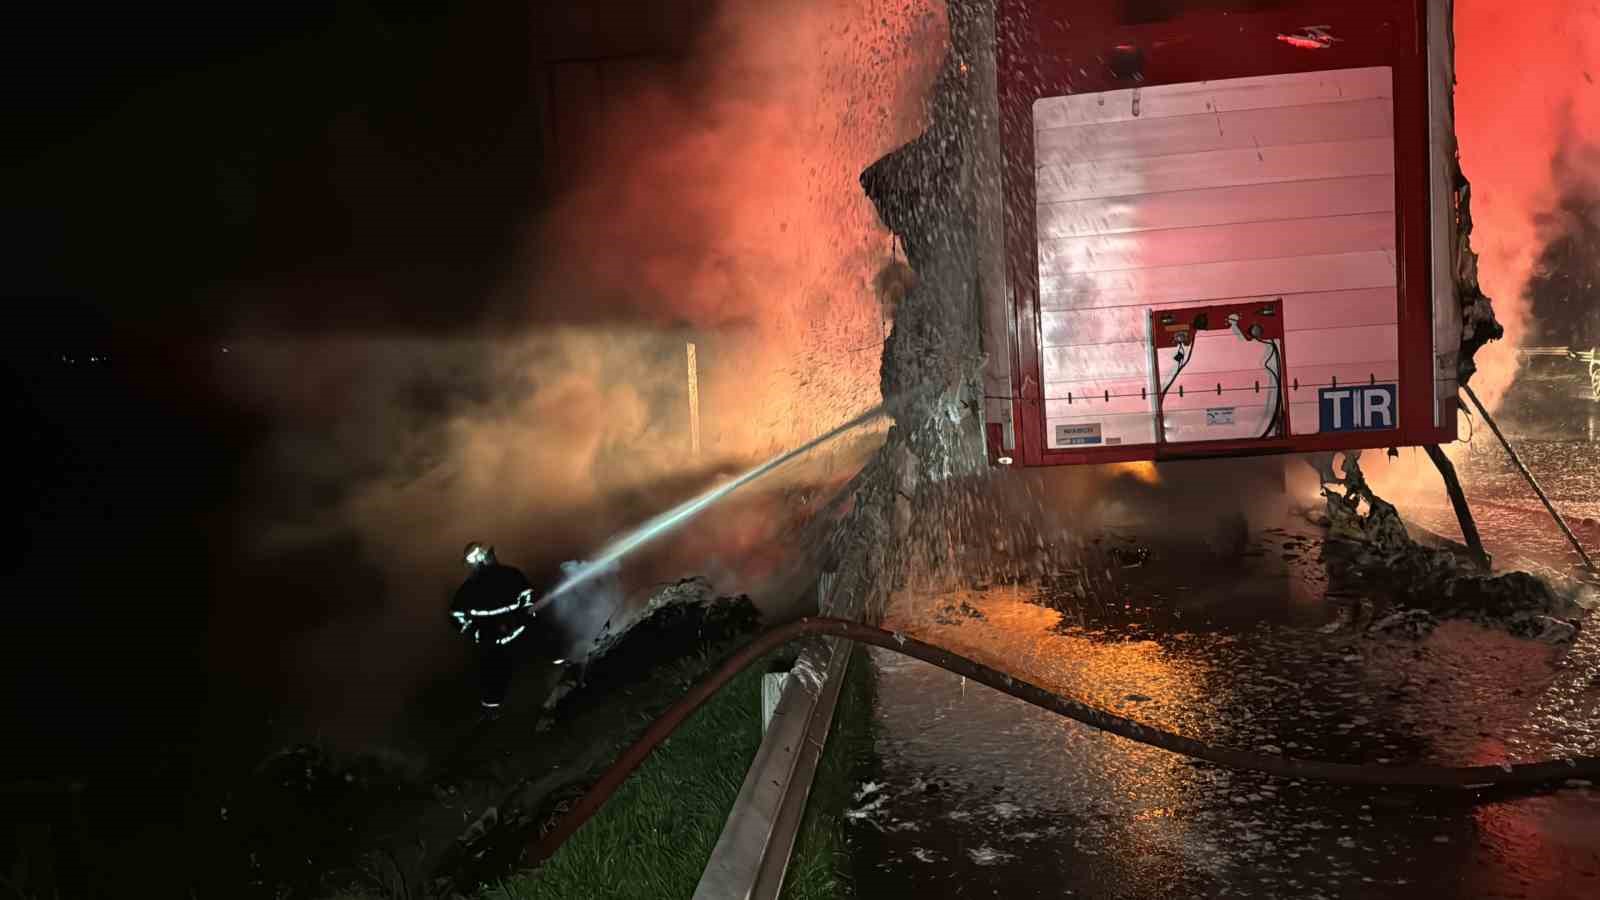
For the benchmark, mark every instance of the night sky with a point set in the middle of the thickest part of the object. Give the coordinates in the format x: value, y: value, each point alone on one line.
x: 377, y: 156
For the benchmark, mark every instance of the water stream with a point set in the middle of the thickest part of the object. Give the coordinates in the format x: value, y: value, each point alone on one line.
x: 680, y: 515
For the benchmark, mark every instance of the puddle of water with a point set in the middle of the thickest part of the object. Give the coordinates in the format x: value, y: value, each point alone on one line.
x: 982, y: 795
x: 1516, y: 528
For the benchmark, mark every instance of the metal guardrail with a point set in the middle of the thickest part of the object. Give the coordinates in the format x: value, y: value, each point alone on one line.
x: 752, y: 854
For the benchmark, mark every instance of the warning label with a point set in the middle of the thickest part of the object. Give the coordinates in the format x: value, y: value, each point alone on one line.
x: 1219, y: 415
x: 1077, y: 435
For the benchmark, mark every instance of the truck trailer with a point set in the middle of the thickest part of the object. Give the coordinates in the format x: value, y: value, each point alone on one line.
x: 1217, y: 228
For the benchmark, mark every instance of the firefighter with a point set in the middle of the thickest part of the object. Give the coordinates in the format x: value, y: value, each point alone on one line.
x: 493, y: 607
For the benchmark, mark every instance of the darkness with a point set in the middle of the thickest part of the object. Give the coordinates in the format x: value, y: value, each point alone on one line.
x: 1144, y: 12
x: 181, y: 155
x: 1562, y: 288
x: 171, y: 153
x: 183, y: 173
x: 1549, y: 393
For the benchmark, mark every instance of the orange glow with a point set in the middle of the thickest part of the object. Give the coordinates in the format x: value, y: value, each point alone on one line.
x: 1526, y: 70
x: 1524, y: 91
x: 713, y: 200
x: 1018, y: 636
x: 734, y: 209
x: 1143, y: 470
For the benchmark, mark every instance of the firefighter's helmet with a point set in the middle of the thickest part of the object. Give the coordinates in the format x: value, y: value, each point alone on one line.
x: 478, y: 554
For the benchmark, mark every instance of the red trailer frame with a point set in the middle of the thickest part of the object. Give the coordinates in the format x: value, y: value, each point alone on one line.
x: 1051, y: 48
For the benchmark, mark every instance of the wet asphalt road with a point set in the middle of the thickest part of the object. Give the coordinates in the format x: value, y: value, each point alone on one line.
x: 970, y: 793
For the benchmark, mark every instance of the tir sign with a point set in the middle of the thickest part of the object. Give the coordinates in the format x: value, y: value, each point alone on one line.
x: 1361, y: 407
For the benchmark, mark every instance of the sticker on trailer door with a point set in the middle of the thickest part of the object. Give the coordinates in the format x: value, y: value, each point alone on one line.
x: 1077, y: 435
x: 1219, y: 415
x: 1359, y: 407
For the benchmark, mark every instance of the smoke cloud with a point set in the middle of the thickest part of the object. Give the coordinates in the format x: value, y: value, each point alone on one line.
x: 1526, y: 110
x: 714, y: 200
x: 1561, y: 291
x: 1525, y: 92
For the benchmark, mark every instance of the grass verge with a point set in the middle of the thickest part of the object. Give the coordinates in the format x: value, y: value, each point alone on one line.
x: 818, y: 869
x: 654, y: 836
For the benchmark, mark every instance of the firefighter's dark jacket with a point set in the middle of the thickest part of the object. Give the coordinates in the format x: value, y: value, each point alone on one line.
x: 491, y: 606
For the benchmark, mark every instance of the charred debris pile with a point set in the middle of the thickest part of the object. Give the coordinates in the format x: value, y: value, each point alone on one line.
x: 679, y: 619
x: 1408, y: 588
x: 1370, y: 550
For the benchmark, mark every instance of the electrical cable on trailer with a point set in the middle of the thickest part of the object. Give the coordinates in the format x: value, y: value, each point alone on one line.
x: 1183, y: 361
x: 1276, y: 417
x: 1275, y: 357
x: 1273, y: 365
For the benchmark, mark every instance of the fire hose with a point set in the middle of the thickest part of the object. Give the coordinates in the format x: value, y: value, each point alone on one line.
x: 1506, y: 775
